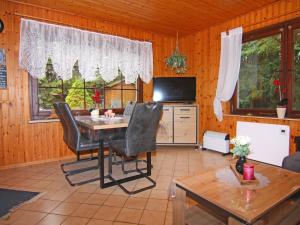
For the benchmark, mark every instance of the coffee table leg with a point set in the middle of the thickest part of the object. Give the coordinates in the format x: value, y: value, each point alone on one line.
x: 179, y: 207
x: 233, y: 221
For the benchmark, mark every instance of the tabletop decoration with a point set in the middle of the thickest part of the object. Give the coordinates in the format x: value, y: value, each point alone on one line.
x: 109, y: 113
x: 241, y: 150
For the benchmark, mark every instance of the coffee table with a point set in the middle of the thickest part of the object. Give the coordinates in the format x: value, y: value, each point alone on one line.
x: 276, y: 200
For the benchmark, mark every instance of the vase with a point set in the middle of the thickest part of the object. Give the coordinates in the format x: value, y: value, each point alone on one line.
x: 240, y: 164
x: 281, y: 112
x: 95, y: 113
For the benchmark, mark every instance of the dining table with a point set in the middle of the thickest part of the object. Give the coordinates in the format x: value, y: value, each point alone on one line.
x: 105, y: 127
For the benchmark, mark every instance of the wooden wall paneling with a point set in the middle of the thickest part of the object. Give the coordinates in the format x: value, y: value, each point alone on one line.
x: 268, y: 15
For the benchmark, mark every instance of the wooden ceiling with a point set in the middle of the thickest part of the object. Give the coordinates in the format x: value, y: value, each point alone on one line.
x: 164, y: 16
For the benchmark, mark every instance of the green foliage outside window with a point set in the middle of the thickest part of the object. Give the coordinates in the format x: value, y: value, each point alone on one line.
x: 260, y: 66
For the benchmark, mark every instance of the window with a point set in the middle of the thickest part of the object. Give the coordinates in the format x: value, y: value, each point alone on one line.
x: 267, y: 55
x: 78, y: 93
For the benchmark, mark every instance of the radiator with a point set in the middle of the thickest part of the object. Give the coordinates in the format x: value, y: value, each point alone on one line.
x: 216, y: 141
x: 269, y: 142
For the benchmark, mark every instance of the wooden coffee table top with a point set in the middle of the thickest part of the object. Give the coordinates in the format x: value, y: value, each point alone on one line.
x: 247, y: 202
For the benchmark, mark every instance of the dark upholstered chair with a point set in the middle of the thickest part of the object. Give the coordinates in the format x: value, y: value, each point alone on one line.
x: 129, y: 108
x: 76, y: 141
x: 140, y: 137
x: 292, y: 162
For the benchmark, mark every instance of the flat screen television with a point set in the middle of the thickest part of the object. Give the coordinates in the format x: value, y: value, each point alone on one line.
x: 174, y: 89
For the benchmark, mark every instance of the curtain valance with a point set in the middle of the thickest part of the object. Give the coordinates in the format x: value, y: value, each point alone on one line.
x: 65, y: 45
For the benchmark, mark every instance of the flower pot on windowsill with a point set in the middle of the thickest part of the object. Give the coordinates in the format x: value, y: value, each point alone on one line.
x: 281, y: 110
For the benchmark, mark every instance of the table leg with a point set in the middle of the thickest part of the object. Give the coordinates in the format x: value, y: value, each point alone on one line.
x: 179, y: 206
x: 101, y: 163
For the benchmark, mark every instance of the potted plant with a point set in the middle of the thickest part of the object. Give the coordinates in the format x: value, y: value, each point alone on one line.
x: 281, y: 105
x: 241, y: 150
x: 177, y: 61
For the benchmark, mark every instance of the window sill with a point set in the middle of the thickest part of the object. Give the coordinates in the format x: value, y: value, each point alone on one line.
x: 43, y: 121
x: 260, y: 117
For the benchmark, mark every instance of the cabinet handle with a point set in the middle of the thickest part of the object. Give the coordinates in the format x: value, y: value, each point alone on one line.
x: 166, y: 109
x: 185, y: 117
x: 184, y: 109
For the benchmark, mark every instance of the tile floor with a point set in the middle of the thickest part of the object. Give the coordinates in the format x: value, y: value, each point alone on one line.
x: 63, y: 204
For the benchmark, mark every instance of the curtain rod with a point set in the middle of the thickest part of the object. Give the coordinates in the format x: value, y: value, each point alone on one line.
x: 77, y: 27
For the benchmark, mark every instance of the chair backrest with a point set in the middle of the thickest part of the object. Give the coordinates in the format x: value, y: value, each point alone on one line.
x: 142, y: 128
x: 292, y: 162
x: 129, y: 108
x: 61, y: 118
x: 73, y: 137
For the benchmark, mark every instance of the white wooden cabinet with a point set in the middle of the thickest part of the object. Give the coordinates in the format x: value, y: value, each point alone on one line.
x: 178, y: 126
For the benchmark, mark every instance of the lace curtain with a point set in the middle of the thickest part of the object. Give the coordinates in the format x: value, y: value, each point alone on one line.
x: 230, y: 60
x: 65, y: 45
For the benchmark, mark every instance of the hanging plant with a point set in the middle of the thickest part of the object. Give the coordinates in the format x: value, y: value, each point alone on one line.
x: 177, y: 61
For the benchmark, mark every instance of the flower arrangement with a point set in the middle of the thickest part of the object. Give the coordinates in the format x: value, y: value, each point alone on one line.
x: 281, y: 92
x: 241, y: 146
x: 96, y: 98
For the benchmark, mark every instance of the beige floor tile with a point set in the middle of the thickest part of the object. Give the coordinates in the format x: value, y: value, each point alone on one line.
x: 41, y: 205
x: 52, y: 219
x: 130, y: 215
x: 159, y: 194
x: 170, y: 206
x: 29, y: 217
x: 106, y: 191
x: 157, y: 204
x: 96, y: 199
x: 99, y: 222
x: 85, y: 210
x: 75, y: 221
x: 143, y: 194
x: 58, y: 195
x: 107, y: 213
x: 65, y: 208
x: 115, y: 200
x: 122, y: 223
x: 11, y: 218
x: 88, y: 188
x: 78, y: 197
x: 152, y: 217
x: 169, y: 219
x: 136, y: 203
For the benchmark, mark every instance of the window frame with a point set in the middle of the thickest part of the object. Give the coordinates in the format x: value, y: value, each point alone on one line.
x: 286, y: 30
x: 44, y: 115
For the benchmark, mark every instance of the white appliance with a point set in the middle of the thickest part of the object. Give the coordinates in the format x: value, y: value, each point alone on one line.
x: 216, y: 141
x: 269, y: 142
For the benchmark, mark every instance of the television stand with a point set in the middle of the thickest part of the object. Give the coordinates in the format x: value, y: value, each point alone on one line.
x: 179, y: 125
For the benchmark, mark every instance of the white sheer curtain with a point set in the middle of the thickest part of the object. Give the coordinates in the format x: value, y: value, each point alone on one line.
x: 64, y: 45
x: 231, y: 47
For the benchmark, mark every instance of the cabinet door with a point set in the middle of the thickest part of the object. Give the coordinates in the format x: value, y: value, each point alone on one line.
x: 165, y: 128
x: 185, y: 124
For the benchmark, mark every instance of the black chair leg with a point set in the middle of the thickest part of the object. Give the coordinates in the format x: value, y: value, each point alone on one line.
x: 70, y: 173
x: 141, y: 175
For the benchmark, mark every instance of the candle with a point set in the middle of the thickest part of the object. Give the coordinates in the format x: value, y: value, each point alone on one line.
x: 248, y: 173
